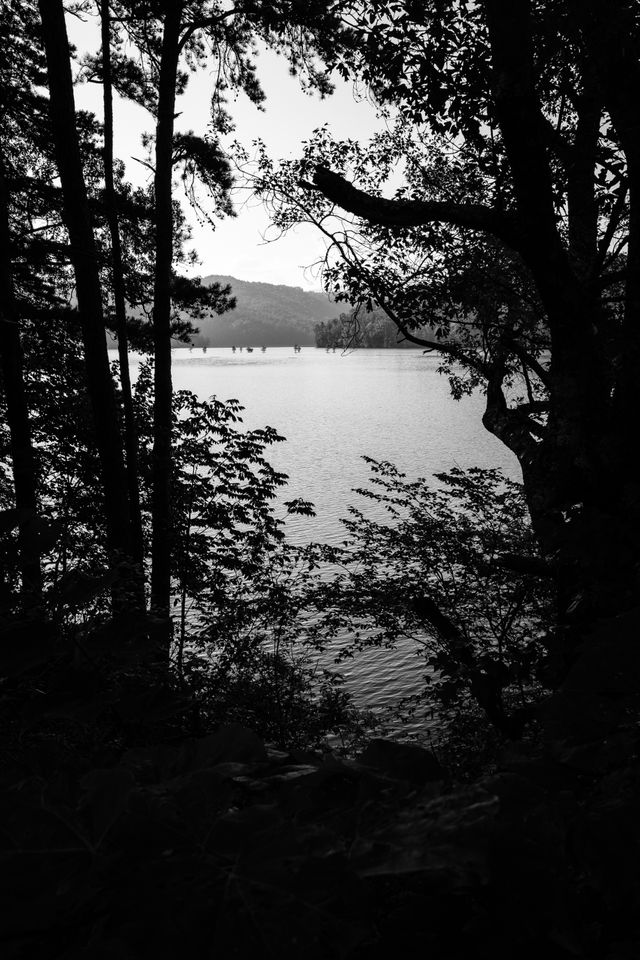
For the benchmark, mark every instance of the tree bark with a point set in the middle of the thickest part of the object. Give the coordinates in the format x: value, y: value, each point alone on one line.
x: 22, y: 453
x: 83, y: 255
x: 162, y: 411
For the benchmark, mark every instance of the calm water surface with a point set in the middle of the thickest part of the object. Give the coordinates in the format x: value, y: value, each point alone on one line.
x: 333, y: 408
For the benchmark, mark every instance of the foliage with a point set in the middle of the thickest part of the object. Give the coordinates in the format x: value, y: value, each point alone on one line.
x: 452, y: 567
x: 158, y: 841
x: 496, y: 210
x: 66, y: 456
x: 510, y: 232
x: 238, y: 583
x: 450, y: 290
x: 218, y: 844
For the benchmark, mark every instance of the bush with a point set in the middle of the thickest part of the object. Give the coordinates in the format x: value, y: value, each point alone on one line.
x: 448, y: 565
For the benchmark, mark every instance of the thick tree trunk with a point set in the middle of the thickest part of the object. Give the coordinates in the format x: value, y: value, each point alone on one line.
x: 22, y: 454
x: 84, y: 259
x: 161, y: 498
x: 577, y: 487
x: 607, y: 29
x: 130, y: 432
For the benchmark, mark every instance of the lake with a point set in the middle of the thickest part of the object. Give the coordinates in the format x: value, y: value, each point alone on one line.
x: 333, y: 408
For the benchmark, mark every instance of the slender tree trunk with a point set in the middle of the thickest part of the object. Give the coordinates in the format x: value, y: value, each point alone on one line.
x: 130, y: 435
x: 84, y: 259
x: 162, y: 412
x: 22, y: 455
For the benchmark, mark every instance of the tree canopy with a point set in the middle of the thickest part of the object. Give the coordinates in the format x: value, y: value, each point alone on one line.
x: 499, y: 209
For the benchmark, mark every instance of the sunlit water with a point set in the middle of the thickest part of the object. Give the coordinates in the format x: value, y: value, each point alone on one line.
x: 334, y: 408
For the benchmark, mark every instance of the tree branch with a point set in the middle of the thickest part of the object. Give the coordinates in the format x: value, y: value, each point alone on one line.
x: 529, y: 566
x: 442, y: 346
x: 485, y: 687
x: 413, y: 213
x: 505, y: 424
x: 534, y: 406
x: 531, y: 362
x: 619, y: 209
x: 202, y: 25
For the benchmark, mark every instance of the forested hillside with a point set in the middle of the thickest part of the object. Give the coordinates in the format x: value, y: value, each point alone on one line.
x: 271, y: 314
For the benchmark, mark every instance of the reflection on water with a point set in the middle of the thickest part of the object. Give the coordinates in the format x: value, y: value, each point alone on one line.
x: 334, y: 408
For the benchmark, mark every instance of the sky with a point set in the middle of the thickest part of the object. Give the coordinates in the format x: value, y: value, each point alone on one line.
x: 238, y: 247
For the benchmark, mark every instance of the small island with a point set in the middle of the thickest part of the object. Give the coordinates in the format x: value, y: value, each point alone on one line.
x: 358, y: 328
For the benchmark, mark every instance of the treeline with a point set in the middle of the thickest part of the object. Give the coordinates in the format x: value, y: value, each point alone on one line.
x: 359, y: 328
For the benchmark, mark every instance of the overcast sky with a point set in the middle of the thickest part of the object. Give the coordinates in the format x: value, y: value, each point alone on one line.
x: 237, y: 247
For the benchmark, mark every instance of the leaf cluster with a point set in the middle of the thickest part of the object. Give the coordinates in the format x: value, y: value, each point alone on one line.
x: 447, y: 566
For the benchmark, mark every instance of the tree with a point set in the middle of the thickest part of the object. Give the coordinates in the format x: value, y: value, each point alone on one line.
x: 115, y: 267
x: 22, y: 454
x: 84, y: 258
x: 174, y: 32
x: 517, y: 210
x: 24, y: 157
x: 240, y: 585
x: 119, y: 293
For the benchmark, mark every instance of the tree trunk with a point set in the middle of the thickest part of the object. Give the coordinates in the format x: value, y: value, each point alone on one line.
x: 84, y: 259
x: 577, y: 485
x: 607, y: 30
x: 22, y: 455
x: 130, y: 434
x: 162, y: 412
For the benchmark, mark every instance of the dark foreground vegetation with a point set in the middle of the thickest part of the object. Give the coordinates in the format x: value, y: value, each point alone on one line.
x: 179, y: 777
x: 130, y: 831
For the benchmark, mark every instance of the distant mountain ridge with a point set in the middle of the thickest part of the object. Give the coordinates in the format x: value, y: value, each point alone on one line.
x: 267, y: 314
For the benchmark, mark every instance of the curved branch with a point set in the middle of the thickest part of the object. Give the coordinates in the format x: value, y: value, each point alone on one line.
x: 442, y: 346
x: 507, y: 424
x: 530, y: 361
x: 202, y: 24
x: 413, y: 213
x: 486, y: 687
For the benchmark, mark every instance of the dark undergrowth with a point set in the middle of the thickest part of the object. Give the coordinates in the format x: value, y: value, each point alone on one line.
x: 136, y: 826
